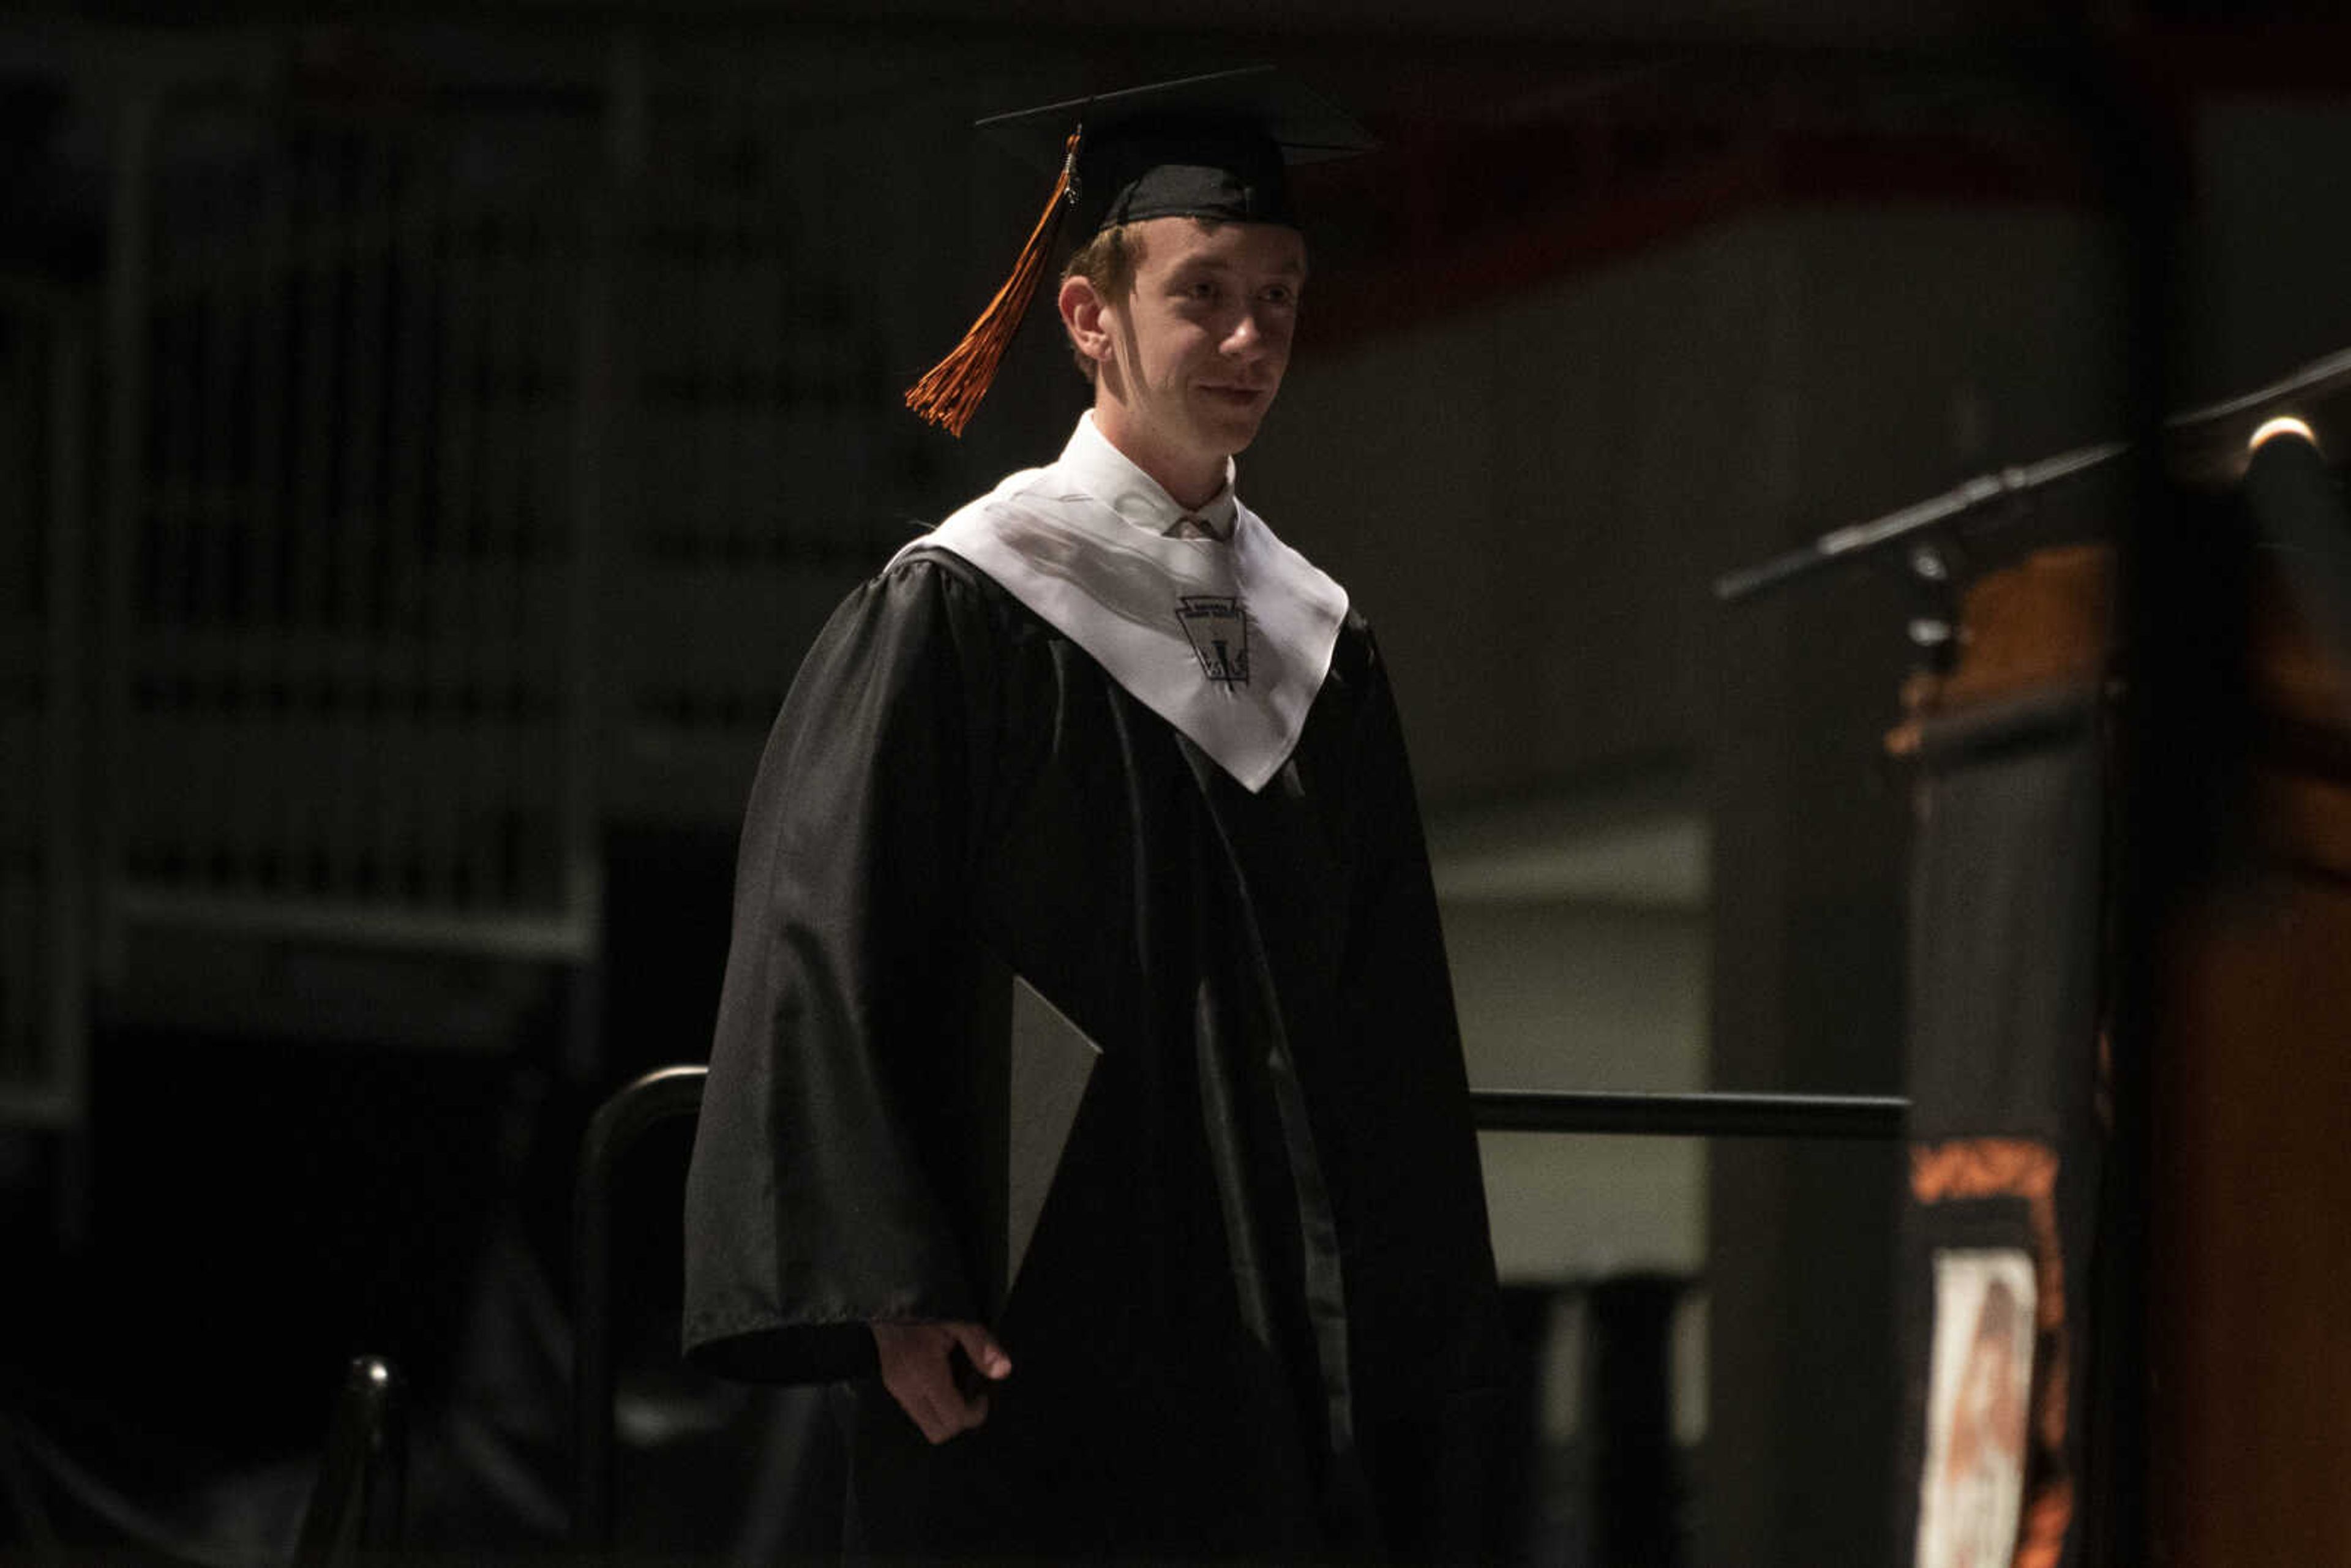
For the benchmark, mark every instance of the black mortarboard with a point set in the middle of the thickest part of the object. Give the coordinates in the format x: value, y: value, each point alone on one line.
x: 1209, y: 147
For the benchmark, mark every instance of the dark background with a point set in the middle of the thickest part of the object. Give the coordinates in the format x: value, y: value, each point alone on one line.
x: 428, y: 439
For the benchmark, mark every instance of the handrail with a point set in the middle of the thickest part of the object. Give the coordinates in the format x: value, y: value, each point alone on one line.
x: 619, y: 1122
x: 671, y: 1092
x: 1694, y: 1116
x: 356, y: 1504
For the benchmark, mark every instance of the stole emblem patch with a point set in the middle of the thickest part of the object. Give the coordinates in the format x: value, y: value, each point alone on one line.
x: 1217, y: 625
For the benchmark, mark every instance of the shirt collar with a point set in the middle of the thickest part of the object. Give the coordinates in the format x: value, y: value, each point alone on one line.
x: 1111, y: 476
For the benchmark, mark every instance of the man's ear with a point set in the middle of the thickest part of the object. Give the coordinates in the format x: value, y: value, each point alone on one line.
x: 1084, y: 315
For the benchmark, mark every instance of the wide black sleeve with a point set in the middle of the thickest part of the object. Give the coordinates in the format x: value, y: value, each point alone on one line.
x: 824, y: 1189
x: 1424, y: 1299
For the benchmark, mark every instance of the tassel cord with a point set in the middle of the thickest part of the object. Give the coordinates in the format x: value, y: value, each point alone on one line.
x: 950, y: 392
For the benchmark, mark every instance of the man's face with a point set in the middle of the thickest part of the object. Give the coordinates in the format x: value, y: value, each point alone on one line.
x: 1198, y: 345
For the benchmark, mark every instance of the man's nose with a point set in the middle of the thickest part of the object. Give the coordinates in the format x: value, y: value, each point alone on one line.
x: 1248, y: 336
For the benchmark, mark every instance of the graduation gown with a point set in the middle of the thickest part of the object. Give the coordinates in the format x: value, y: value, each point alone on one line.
x: 1254, y: 1320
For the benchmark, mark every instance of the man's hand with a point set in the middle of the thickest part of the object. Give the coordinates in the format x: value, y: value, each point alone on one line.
x: 919, y: 1370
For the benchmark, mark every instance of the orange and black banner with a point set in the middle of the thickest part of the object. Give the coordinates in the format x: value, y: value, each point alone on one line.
x: 2007, y: 1137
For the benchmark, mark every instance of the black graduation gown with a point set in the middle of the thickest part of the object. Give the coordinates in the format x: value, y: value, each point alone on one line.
x: 1255, y: 1317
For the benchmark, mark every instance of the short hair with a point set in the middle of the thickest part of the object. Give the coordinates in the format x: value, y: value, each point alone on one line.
x: 1106, y: 261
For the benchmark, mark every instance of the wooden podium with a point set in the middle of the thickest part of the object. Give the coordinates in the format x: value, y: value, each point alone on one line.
x: 2248, y: 1289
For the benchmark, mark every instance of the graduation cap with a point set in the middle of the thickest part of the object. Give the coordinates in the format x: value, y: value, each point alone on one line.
x: 1211, y: 146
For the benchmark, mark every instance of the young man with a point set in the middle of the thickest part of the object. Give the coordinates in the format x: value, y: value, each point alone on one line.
x: 1101, y: 751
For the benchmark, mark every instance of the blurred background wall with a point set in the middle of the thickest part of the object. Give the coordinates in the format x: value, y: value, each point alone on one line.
x: 427, y: 446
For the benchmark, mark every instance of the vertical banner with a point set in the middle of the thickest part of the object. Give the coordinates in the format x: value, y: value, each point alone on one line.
x: 2006, y: 1127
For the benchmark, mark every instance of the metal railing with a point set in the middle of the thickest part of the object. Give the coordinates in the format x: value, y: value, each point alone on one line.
x: 45, y: 392
x: 669, y: 1093
x: 357, y: 1504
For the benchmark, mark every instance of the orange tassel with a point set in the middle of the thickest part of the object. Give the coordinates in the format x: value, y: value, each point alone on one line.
x: 950, y: 393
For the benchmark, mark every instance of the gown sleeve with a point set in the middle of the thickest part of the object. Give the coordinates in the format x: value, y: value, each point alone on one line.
x: 1429, y: 1309
x: 823, y: 1192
